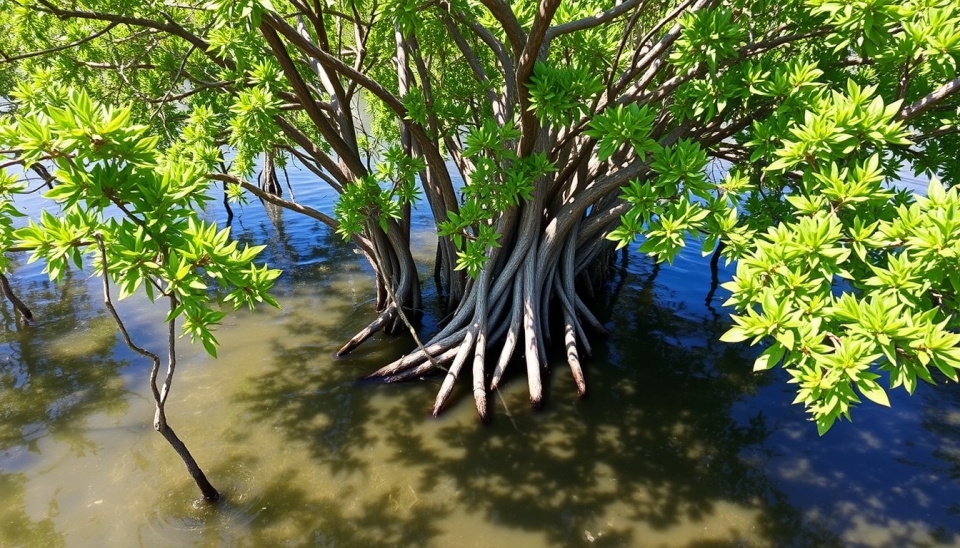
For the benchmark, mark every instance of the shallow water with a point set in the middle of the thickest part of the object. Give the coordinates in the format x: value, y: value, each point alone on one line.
x: 678, y: 444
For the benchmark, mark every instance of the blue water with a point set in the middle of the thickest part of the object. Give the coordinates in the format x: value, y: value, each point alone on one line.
x: 678, y: 442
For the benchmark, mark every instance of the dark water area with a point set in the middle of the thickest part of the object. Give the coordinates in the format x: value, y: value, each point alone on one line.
x: 678, y: 444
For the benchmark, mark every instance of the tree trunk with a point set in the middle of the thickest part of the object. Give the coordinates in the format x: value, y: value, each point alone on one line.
x: 159, y: 394
x: 268, y: 175
x: 209, y: 491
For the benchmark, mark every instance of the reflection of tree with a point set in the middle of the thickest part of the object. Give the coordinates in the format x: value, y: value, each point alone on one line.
x: 53, y: 376
x: 16, y: 525
x: 942, y: 419
x: 292, y: 240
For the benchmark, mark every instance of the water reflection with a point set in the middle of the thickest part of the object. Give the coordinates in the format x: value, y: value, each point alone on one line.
x: 16, y: 526
x: 678, y: 443
x: 653, y: 455
x: 54, y: 375
x: 57, y: 372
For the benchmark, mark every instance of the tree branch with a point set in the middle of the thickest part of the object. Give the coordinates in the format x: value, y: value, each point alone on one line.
x: 929, y: 100
x: 531, y: 52
x: 108, y: 302
x: 346, y: 153
x: 502, y: 12
x: 329, y: 61
x: 28, y: 55
x: 471, y: 58
x: 594, y: 20
x: 170, y: 27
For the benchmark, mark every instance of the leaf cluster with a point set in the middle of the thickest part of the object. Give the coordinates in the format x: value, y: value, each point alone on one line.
x: 499, y: 181
x: 112, y: 182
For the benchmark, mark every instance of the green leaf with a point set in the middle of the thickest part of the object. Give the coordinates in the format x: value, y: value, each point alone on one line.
x: 873, y: 392
x: 769, y: 358
x: 734, y: 335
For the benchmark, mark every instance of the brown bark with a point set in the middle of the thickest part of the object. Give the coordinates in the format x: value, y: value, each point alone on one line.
x: 14, y: 300
x: 159, y: 395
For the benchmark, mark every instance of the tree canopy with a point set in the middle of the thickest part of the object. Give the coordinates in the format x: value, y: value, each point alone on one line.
x: 774, y: 133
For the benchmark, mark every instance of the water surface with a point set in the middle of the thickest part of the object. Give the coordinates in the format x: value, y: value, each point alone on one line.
x: 678, y: 443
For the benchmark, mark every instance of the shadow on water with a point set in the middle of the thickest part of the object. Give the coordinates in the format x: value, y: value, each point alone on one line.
x: 54, y: 375
x: 677, y: 444
x: 318, y: 406
x: 652, y: 457
x: 648, y: 459
x: 18, y: 527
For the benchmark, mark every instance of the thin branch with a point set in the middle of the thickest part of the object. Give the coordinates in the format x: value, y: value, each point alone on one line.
x: 108, y: 302
x: 171, y: 359
x: 28, y: 55
x: 170, y: 27
x: 174, y: 80
x: 320, y: 157
x: 776, y: 41
x: 664, y: 42
x: 193, y: 91
x: 311, y: 165
x: 594, y: 20
x: 475, y: 66
x: 500, y: 51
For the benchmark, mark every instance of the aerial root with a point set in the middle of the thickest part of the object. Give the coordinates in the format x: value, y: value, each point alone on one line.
x: 419, y: 357
x: 573, y: 360
x: 423, y: 368
x: 16, y: 302
x: 447, y: 387
x: 385, y: 317
x: 479, y: 388
x: 516, y: 319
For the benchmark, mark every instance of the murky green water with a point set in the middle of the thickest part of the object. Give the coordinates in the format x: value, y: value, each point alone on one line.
x: 678, y: 443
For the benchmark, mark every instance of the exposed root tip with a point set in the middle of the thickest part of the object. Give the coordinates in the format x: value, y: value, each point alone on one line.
x: 480, y: 397
x: 367, y: 332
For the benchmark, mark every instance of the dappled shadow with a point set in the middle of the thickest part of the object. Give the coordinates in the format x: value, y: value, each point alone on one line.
x: 312, y: 404
x: 16, y: 526
x: 287, y: 508
x: 54, y: 375
x: 315, y: 404
x: 652, y: 457
x: 390, y: 519
x: 661, y: 453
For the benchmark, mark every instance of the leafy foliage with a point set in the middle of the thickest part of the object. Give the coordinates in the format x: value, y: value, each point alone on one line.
x: 113, y: 182
x: 773, y: 132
